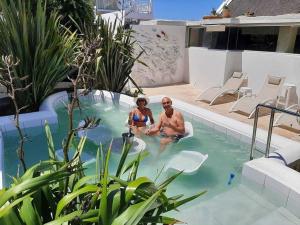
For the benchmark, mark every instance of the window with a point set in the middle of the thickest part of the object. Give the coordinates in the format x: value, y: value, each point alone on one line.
x: 237, y: 38
x: 258, y: 38
x: 195, y: 37
x: 297, y: 43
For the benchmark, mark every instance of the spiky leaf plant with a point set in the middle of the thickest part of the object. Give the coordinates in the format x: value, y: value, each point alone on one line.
x: 73, y: 13
x: 123, y: 198
x: 118, y: 54
x: 39, y: 43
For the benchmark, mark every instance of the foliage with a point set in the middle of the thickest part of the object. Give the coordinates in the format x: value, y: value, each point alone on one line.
x: 213, y: 12
x: 73, y: 13
x: 37, y: 196
x: 8, y: 79
x: 39, y: 43
x: 117, y: 56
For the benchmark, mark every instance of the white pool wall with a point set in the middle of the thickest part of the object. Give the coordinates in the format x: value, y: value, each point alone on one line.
x: 268, y: 174
x: 28, y: 120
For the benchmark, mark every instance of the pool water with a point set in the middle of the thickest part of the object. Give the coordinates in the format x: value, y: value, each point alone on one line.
x: 225, y: 154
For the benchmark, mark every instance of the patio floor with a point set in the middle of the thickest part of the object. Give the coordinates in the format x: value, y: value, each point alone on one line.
x: 188, y: 93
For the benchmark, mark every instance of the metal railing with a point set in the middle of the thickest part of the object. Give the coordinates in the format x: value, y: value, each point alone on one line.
x: 270, y: 129
x: 136, y: 6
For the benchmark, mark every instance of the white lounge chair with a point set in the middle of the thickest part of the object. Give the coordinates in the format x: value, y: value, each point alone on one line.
x: 187, y: 161
x: 231, y: 86
x: 288, y: 120
x: 99, y: 134
x: 268, y: 95
x: 189, y: 131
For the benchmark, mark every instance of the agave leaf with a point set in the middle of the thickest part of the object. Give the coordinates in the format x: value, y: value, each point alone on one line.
x: 10, y: 217
x: 169, y: 180
x: 142, y: 154
x: 125, y: 150
x: 161, y: 220
x: 28, y: 212
x: 176, y: 204
x: 133, y: 185
x: 134, y: 169
x: 98, y: 165
x: 33, y: 184
x: 6, y: 208
x: 69, y: 197
x: 79, y: 213
x: 83, y: 181
x: 103, y: 210
x: 51, y: 150
x: 134, y: 213
x: 40, y: 167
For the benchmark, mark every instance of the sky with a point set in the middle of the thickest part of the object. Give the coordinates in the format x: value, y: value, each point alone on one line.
x: 183, y: 9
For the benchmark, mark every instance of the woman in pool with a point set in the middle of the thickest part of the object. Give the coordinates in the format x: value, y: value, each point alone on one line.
x: 140, y: 115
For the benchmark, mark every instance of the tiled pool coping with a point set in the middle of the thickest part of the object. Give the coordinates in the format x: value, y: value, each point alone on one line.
x: 285, y: 181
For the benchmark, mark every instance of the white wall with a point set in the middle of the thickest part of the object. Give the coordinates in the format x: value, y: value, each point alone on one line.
x: 112, y: 16
x: 165, y: 55
x: 210, y: 67
x: 258, y: 65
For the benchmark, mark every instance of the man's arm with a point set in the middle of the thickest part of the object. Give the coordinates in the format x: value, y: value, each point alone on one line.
x: 151, y: 117
x: 156, y: 128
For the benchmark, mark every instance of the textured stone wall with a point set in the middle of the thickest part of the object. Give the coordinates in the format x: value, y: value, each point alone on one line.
x: 164, y: 47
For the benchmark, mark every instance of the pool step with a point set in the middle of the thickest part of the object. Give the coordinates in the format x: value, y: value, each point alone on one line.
x: 238, y: 206
x: 280, y: 216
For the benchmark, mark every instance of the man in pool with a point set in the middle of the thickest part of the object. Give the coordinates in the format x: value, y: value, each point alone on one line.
x: 170, y: 126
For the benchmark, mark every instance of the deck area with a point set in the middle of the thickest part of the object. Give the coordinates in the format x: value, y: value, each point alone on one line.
x: 188, y: 93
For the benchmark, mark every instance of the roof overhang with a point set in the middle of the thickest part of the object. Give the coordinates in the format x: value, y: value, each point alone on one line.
x: 281, y: 20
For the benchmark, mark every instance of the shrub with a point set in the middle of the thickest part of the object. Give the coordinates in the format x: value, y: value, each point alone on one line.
x: 117, y: 57
x: 73, y: 13
x: 39, y: 43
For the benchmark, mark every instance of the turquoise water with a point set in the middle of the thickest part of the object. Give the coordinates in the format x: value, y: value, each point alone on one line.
x: 225, y: 154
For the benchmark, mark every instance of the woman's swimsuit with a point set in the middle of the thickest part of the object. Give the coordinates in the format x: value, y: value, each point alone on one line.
x: 136, y: 118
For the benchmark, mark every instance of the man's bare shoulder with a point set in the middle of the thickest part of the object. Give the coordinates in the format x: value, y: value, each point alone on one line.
x: 177, y: 113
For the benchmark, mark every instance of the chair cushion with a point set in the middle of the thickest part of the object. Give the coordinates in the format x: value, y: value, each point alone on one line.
x: 274, y: 80
x: 237, y: 75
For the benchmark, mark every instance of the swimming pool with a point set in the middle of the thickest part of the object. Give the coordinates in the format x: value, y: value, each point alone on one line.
x: 225, y: 140
x: 226, y: 154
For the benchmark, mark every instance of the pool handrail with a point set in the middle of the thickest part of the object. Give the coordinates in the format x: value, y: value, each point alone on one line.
x: 270, y: 129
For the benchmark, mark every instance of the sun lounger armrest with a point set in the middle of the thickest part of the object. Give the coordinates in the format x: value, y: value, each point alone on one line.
x: 237, y: 102
x: 270, y: 100
x: 295, y: 106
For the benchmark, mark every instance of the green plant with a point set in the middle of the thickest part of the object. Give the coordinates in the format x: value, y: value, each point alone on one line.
x: 117, y: 57
x: 74, y: 13
x: 213, y: 12
x: 41, y: 45
x: 37, y: 196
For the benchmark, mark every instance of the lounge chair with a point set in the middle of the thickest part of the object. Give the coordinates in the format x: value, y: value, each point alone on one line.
x: 189, y: 131
x: 187, y: 161
x: 268, y: 95
x: 99, y: 134
x: 231, y: 86
x: 288, y: 120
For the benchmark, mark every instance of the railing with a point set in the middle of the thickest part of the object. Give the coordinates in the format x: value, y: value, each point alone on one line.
x: 136, y: 6
x: 271, y: 122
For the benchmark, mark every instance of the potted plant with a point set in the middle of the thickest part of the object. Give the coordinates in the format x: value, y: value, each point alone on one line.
x: 226, y: 12
x: 213, y: 15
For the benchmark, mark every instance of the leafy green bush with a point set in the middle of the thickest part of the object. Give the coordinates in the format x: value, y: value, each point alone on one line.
x: 38, y: 196
x: 39, y: 43
x: 117, y: 56
x: 73, y: 13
